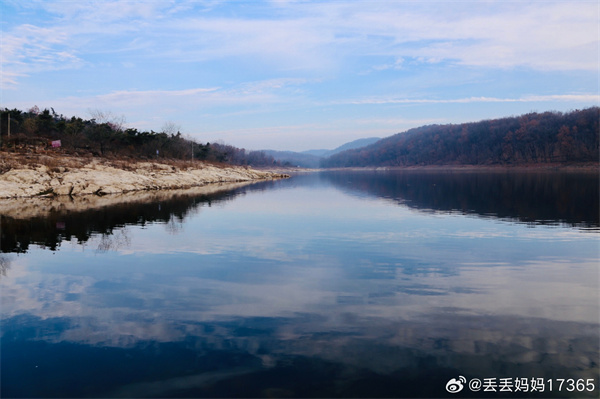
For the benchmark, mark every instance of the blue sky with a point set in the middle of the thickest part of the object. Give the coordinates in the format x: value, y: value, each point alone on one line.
x: 298, y: 75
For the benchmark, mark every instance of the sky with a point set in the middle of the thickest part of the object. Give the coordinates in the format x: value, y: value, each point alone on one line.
x: 298, y: 75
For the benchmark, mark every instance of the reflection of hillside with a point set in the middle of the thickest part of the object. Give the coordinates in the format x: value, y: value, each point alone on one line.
x: 540, y: 198
x: 49, y: 221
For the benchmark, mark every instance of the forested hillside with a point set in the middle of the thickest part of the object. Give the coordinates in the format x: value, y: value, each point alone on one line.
x: 535, y: 138
x: 105, y: 135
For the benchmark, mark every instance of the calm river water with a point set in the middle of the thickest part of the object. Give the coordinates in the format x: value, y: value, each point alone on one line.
x: 331, y: 284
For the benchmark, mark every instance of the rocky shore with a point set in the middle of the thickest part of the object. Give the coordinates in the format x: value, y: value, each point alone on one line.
x: 24, y: 176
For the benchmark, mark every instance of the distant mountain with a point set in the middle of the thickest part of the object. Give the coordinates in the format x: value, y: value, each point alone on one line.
x: 317, y: 153
x: 295, y: 159
x: 348, y: 146
x: 549, y: 137
x: 312, y: 158
x: 352, y: 145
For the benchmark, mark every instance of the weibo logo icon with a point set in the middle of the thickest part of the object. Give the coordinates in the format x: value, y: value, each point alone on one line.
x: 456, y: 385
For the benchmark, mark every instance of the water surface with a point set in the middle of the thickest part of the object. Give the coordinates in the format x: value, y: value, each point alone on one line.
x: 333, y: 284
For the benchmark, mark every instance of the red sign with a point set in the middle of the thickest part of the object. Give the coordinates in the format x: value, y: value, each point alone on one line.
x: 56, y: 143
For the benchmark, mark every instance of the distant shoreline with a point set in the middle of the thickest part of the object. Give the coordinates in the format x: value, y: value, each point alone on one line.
x: 572, y: 167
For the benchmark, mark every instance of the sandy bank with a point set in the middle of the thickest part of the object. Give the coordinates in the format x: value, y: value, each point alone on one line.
x: 25, y: 176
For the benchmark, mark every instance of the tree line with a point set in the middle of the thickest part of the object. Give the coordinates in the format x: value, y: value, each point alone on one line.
x: 105, y: 135
x: 534, y: 138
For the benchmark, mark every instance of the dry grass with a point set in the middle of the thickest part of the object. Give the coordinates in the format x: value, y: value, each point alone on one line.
x: 55, y: 163
x: 61, y: 162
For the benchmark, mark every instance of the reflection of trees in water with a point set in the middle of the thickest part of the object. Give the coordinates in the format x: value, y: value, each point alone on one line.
x: 4, y: 265
x: 114, y: 242
x: 49, y: 231
x: 540, y: 198
x: 174, y: 226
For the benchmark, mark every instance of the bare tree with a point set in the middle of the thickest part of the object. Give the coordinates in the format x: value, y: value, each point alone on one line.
x: 171, y: 128
x: 116, y: 122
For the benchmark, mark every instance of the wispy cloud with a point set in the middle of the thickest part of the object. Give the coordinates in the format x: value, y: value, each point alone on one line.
x: 246, y: 93
x: 539, y: 35
x: 30, y: 49
x: 590, y: 98
x: 142, y: 97
x: 149, y: 109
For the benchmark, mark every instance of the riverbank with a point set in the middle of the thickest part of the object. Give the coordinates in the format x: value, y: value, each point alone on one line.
x: 26, y: 176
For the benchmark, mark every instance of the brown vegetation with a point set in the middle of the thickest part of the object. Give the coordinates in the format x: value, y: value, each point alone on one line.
x: 535, y: 138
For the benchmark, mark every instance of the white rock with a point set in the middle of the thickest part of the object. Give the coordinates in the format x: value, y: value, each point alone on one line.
x: 98, y: 178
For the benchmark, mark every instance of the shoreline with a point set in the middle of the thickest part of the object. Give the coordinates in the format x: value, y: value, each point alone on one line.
x: 42, y: 175
x: 30, y: 176
x: 583, y: 167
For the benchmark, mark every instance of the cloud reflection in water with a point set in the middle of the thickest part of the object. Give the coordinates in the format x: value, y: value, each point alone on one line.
x: 283, y: 281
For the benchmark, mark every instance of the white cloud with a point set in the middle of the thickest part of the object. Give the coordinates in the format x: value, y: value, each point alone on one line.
x: 589, y: 98
x: 398, y: 64
x: 105, y: 11
x: 31, y: 49
x: 157, y: 99
x: 9, y: 79
x: 539, y: 35
x: 314, y: 36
